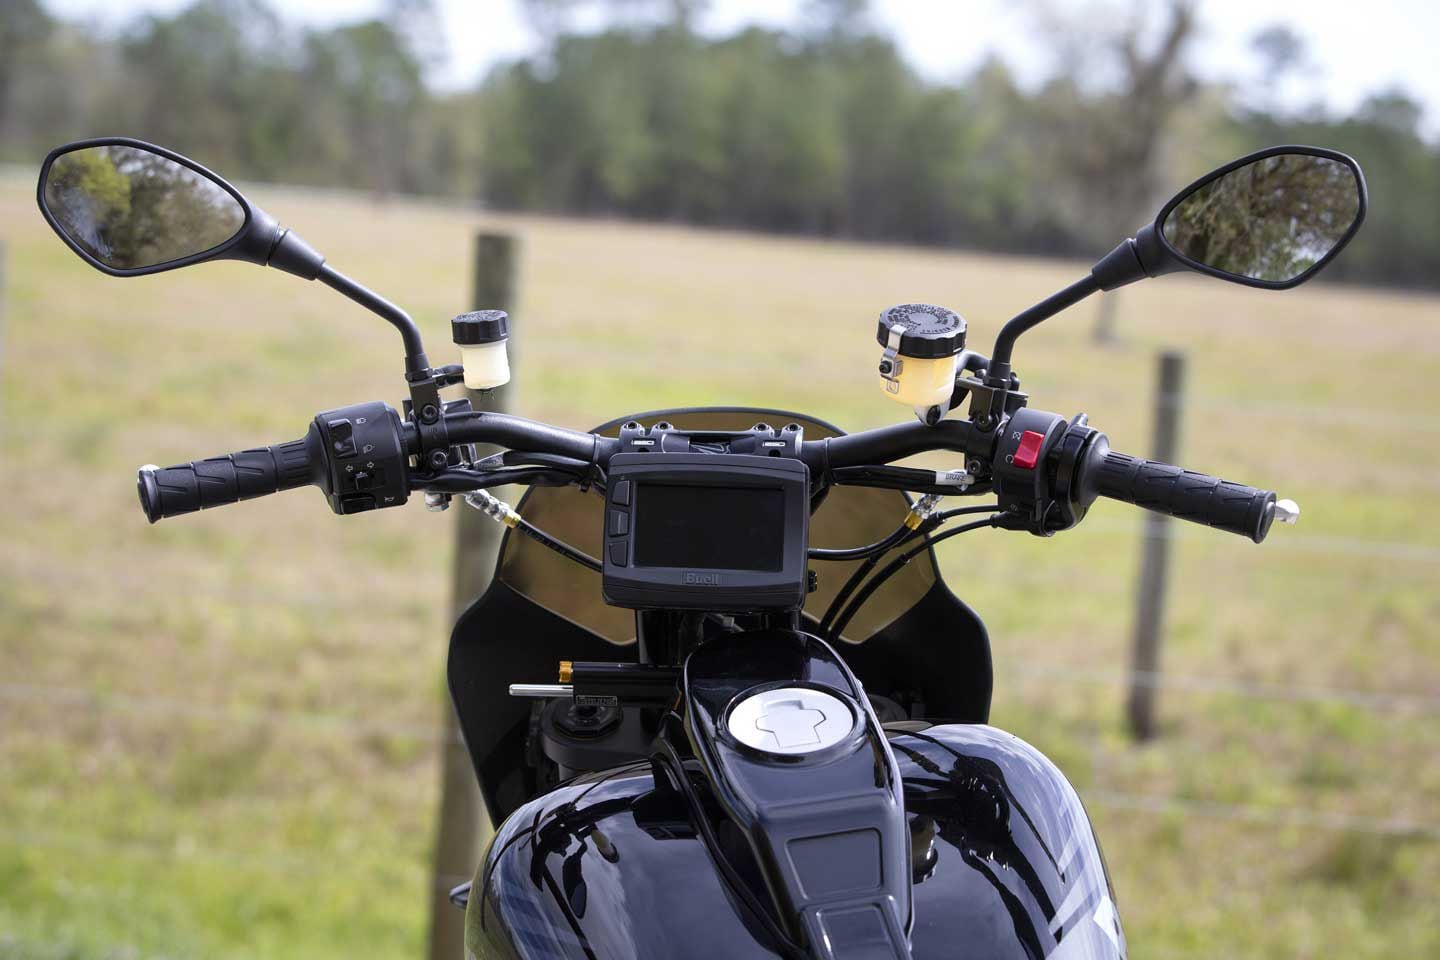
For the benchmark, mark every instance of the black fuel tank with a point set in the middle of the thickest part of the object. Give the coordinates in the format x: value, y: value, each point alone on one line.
x: 1004, y: 865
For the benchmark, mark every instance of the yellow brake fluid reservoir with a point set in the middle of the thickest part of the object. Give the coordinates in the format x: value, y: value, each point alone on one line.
x: 481, y: 338
x: 921, y: 344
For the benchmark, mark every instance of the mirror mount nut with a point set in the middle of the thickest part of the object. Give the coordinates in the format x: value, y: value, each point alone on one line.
x: 1134, y: 258
x: 1119, y: 267
x: 294, y: 256
x: 1155, y: 258
x: 266, y: 243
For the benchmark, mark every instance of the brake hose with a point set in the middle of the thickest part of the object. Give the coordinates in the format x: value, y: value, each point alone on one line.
x: 894, y: 566
x: 914, y: 520
x: 502, y: 512
x: 908, y: 532
x: 860, y: 553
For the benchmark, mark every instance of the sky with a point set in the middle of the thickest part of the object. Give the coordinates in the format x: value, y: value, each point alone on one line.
x: 1350, y: 55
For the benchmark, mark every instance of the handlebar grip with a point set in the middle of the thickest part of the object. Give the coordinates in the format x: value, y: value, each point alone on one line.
x: 1185, y: 494
x: 187, y: 487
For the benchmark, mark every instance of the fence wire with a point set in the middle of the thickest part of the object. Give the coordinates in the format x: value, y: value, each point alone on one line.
x: 1374, y: 700
x: 320, y: 860
x: 332, y: 724
x: 345, y: 726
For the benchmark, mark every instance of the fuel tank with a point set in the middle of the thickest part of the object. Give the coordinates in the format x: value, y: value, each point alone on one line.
x: 1004, y: 864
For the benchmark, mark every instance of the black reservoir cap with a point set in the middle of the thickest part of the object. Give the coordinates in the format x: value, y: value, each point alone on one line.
x: 481, y: 326
x: 930, y: 331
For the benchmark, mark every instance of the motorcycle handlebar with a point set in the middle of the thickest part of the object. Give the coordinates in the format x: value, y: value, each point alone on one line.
x: 1160, y: 487
x: 895, y: 442
x: 518, y: 433
x: 187, y: 487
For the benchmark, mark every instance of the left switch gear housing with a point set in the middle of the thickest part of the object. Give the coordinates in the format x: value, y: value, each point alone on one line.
x: 365, y: 457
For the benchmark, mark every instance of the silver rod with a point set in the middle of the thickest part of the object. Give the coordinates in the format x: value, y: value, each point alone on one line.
x: 541, y: 690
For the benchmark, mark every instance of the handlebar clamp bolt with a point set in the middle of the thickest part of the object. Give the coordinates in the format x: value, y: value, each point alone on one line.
x: 439, y: 459
x: 429, y: 413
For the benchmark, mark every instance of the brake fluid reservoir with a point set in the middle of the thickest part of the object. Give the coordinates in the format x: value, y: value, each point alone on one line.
x: 481, y: 338
x: 921, y: 344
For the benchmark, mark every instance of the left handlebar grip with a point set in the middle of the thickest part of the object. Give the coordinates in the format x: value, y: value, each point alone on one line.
x: 187, y: 487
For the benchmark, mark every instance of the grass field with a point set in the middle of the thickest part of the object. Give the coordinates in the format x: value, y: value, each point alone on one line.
x: 215, y: 732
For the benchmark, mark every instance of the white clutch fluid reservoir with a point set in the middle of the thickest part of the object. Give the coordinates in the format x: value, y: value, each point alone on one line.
x: 921, y: 344
x: 481, y: 337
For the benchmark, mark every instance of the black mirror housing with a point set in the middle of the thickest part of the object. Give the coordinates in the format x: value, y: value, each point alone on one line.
x: 97, y: 199
x: 259, y: 239
x: 1150, y: 253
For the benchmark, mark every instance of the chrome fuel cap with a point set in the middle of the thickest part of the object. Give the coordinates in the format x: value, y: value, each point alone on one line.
x: 791, y: 720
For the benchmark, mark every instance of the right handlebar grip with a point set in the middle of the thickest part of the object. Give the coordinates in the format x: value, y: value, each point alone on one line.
x: 1185, y: 494
x: 187, y: 487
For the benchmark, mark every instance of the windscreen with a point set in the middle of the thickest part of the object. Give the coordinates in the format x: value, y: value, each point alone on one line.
x: 714, y: 528
x: 848, y: 517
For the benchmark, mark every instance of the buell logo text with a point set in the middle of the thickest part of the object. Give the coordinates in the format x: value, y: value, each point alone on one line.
x: 703, y: 579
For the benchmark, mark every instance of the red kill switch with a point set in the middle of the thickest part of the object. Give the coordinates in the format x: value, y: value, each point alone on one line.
x: 1028, y: 453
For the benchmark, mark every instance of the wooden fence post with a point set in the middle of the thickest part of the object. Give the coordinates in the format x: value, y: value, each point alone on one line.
x: 1105, y: 318
x: 463, y: 827
x: 1155, y: 557
x: 2, y: 294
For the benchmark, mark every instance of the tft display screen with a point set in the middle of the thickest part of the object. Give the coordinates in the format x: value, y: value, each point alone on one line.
x: 713, y: 528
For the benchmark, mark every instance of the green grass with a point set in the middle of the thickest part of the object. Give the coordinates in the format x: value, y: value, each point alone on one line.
x: 235, y: 770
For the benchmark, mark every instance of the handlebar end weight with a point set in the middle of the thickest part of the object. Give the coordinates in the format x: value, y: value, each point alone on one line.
x: 149, y: 489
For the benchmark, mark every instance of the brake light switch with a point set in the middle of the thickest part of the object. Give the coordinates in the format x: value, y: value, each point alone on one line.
x: 1027, y: 454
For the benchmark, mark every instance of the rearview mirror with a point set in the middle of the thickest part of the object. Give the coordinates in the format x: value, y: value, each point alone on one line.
x: 1271, y: 219
x: 130, y: 208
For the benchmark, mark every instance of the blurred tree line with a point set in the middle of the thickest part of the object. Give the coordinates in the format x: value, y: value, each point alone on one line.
x: 819, y: 128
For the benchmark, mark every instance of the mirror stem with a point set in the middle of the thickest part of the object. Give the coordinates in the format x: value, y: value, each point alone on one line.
x: 417, y: 365
x: 998, y: 376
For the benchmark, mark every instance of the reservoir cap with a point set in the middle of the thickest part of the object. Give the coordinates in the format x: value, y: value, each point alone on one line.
x: 930, y: 331
x: 481, y: 326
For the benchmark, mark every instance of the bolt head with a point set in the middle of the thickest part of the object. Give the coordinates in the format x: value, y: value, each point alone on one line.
x: 439, y: 459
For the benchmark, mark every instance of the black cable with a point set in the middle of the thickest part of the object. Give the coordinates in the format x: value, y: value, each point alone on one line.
x: 457, y: 480
x: 559, y: 546
x: 860, y: 572
x: 900, y: 534
x: 525, y: 458
x: 832, y: 611
x: 894, y: 566
x: 860, y: 553
x: 962, y: 511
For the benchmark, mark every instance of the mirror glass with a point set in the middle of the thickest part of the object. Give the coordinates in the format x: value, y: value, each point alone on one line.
x: 1271, y: 220
x: 132, y: 209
